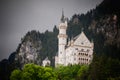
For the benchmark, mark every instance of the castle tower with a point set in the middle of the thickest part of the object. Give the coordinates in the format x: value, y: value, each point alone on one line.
x: 62, y: 40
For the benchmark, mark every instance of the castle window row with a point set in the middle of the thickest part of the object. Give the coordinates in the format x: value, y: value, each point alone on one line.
x: 82, y: 59
x: 83, y: 54
x: 82, y: 50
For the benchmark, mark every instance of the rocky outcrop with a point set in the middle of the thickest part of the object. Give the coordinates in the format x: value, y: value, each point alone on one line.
x: 29, y: 51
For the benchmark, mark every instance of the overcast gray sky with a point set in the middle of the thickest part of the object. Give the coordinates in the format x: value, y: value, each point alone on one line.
x: 17, y: 17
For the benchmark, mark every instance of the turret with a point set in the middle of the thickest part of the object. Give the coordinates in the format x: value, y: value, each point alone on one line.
x: 62, y: 40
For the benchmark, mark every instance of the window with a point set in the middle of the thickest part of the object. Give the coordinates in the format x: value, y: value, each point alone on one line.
x: 81, y: 53
x: 76, y: 48
x: 90, y: 56
x: 88, y: 50
x: 86, y: 54
x: 82, y: 49
x: 82, y: 43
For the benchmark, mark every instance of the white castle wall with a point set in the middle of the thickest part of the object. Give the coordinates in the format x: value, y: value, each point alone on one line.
x: 78, y: 51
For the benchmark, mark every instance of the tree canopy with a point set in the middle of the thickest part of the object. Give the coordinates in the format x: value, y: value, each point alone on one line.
x: 33, y: 72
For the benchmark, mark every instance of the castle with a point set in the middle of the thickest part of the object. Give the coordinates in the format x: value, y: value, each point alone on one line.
x: 78, y: 50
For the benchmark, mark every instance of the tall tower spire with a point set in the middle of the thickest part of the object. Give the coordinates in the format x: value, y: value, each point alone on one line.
x: 62, y: 40
x: 62, y: 17
x: 62, y: 12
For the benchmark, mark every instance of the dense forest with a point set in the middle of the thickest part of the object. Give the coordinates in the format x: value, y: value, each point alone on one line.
x: 102, y: 25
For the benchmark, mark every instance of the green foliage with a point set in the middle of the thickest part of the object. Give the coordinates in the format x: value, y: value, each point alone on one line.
x: 71, y: 72
x: 16, y: 75
x: 83, y: 72
x: 49, y: 44
x: 103, y: 68
x: 33, y: 72
x: 73, y: 29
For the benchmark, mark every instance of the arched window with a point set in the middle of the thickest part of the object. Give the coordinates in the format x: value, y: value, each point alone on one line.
x: 83, y: 53
x: 86, y: 54
x: 87, y: 59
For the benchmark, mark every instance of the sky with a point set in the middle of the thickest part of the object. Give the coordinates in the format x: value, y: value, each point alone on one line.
x: 17, y: 17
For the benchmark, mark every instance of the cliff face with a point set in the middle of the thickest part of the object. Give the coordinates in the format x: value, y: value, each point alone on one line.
x: 108, y: 27
x: 107, y: 18
x: 29, y: 50
x: 108, y: 21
